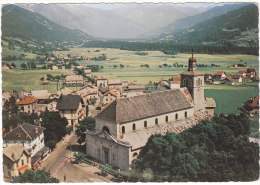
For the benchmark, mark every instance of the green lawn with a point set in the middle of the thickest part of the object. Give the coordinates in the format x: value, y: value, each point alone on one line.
x: 29, y: 79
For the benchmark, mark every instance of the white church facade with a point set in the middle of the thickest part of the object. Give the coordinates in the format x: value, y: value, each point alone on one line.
x: 125, y: 125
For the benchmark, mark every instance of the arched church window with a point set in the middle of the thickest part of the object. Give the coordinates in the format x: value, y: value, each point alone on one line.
x: 199, y: 82
x: 106, y: 129
x: 123, y: 129
x: 166, y: 119
x: 176, y: 116
x: 145, y: 124
x: 133, y: 126
x: 156, y: 121
x: 185, y: 114
x: 135, y: 154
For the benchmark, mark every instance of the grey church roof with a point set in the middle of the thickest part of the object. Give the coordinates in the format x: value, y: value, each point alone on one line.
x: 68, y: 102
x: 144, y: 106
x: 27, y: 132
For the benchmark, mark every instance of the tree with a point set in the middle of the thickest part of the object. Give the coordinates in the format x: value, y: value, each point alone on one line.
x: 13, y: 64
x: 88, y: 123
x: 23, y: 66
x: 210, y: 151
x: 35, y: 176
x: 42, y: 78
x: 55, y: 127
x: 10, y: 106
x: 122, y: 66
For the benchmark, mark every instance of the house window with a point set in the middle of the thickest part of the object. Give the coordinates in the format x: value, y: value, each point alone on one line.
x: 186, y: 114
x: 156, y: 121
x: 123, y: 129
x: 22, y: 108
x: 22, y: 162
x: 135, y: 154
x: 134, y: 126
x: 145, y: 124
x: 176, y: 116
x: 166, y: 118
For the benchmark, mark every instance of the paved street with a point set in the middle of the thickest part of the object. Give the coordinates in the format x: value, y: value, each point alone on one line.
x: 60, y: 166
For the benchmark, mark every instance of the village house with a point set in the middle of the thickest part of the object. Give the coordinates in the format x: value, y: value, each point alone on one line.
x: 175, y: 83
x: 110, y: 96
x: 27, y: 104
x: 125, y: 125
x: 88, y: 92
x: 64, y: 91
x: 242, y: 73
x: 133, y: 90
x: 87, y: 57
x: 101, y: 81
x: 250, y: 75
x: 251, y: 70
x: 73, y: 80
x: 31, y: 137
x: 16, y: 160
x: 54, y: 67
x: 72, y: 108
x: 237, y: 78
x: 88, y: 72
x: 124, y: 83
x: 252, y: 106
x: 51, y: 59
x: 221, y: 75
x: 115, y: 84
x: 5, y: 66
x: 5, y: 97
x: 230, y: 81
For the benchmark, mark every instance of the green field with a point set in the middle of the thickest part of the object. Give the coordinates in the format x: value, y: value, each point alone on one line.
x: 29, y: 79
x: 134, y: 73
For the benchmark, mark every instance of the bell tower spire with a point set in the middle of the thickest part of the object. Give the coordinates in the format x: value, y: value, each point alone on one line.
x: 193, y: 80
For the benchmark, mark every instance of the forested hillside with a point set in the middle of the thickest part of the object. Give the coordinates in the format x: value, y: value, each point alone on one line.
x: 226, y: 29
x: 28, y: 26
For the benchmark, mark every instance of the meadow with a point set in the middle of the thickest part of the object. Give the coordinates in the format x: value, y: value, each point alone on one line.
x: 29, y: 79
x: 133, y: 72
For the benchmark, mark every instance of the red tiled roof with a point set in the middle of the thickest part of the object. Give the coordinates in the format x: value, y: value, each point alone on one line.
x: 249, y: 74
x: 253, y: 103
x: 241, y: 72
x: 111, y: 91
x: 230, y: 79
x: 220, y: 72
x: 26, y: 101
x: 176, y: 78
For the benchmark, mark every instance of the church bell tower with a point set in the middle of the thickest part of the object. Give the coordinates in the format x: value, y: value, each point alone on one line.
x: 194, y: 81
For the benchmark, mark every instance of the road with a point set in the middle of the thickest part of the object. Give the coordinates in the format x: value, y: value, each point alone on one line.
x: 58, y: 163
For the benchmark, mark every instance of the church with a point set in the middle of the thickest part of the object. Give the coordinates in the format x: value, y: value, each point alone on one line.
x: 124, y: 126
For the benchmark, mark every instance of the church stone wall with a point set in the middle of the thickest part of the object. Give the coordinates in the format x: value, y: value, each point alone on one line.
x: 139, y: 124
x: 118, y: 155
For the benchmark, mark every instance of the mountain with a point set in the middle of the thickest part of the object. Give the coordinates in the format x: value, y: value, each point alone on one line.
x: 126, y: 22
x: 26, y: 25
x: 229, y: 27
x: 189, y: 21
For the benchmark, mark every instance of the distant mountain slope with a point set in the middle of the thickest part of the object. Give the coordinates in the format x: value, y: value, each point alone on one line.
x: 189, y: 21
x: 222, y: 28
x: 125, y: 22
x: 26, y: 25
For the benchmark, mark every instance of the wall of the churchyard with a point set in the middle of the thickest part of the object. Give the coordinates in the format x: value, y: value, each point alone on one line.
x: 139, y: 124
x: 118, y: 154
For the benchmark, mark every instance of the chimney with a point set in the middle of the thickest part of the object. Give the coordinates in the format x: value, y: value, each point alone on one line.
x: 10, y: 128
x: 36, y: 130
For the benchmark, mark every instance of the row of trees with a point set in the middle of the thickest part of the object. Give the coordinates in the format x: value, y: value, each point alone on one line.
x: 170, y: 48
x: 216, y: 150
